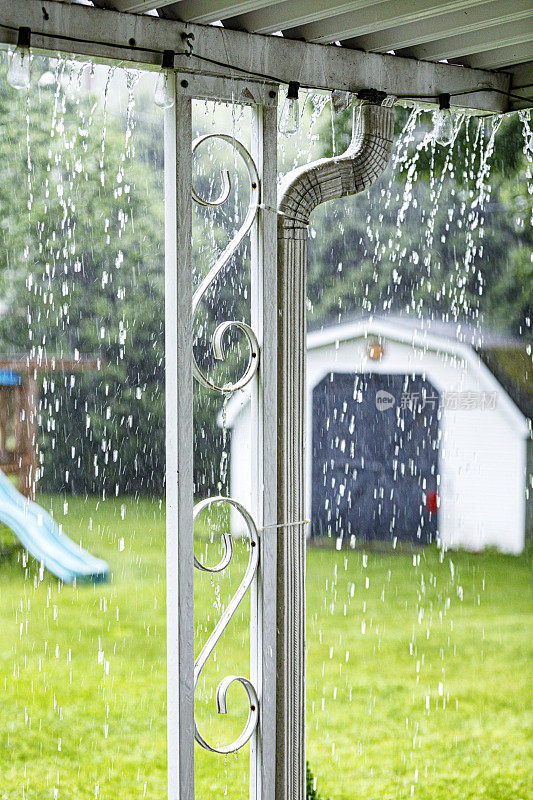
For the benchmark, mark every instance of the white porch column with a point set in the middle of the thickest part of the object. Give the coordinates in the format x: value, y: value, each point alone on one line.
x: 301, y: 192
x: 179, y: 449
x: 264, y: 424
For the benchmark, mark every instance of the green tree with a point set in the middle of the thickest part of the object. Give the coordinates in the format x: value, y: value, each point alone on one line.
x: 431, y: 238
x: 82, y: 269
x: 69, y: 286
x: 82, y: 264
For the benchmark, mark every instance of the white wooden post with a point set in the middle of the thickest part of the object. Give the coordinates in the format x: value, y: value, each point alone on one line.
x: 263, y: 633
x: 179, y: 450
x: 264, y: 433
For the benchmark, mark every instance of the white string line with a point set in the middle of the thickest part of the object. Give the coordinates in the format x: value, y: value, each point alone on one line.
x: 286, y: 524
x: 283, y: 214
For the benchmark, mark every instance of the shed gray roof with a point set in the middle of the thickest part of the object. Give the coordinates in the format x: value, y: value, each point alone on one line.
x: 458, y: 331
x: 502, y: 361
x: 509, y: 358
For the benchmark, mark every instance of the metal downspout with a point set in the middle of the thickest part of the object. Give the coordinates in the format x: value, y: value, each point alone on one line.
x: 300, y: 193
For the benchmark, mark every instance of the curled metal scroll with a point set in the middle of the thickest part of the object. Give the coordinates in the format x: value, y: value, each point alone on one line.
x: 220, y: 627
x: 221, y: 262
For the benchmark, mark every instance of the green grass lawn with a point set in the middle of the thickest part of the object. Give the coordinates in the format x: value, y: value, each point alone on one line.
x: 419, y: 671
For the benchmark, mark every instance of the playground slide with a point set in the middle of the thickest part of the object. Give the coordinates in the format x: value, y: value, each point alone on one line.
x: 42, y: 537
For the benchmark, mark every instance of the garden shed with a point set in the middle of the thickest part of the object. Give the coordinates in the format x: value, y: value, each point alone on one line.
x: 410, y: 435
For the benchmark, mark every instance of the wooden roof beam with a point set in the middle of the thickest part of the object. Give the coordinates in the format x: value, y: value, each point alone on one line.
x: 378, y: 17
x: 323, y: 22
x: 132, y: 6
x: 140, y: 39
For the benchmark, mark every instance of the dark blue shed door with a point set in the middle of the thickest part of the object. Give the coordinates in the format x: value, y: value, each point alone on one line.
x: 375, y: 457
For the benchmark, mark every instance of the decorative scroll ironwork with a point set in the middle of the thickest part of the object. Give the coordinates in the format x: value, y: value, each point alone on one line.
x: 204, y: 380
x: 220, y: 627
x: 221, y: 262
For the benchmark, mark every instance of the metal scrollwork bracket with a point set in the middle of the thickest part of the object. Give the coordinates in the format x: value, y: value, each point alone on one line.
x: 220, y: 263
x: 220, y: 627
x: 227, y: 389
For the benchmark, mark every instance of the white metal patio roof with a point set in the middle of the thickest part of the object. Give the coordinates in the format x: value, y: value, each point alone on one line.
x: 478, y: 51
x: 484, y: 34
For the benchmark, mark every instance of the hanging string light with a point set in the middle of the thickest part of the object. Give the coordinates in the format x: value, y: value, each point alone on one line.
x: 443, y: 128
x: 290, y: 114
x: 164, y: 87
x: 18, y: 74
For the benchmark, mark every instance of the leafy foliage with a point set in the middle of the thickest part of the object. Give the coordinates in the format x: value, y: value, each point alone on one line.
x: 462, y: 252
x: 81, y: 265
x: 310, y: 791
x: 68, y: 288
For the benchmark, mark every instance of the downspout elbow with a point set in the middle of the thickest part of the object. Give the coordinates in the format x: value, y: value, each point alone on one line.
x: 359, y: 167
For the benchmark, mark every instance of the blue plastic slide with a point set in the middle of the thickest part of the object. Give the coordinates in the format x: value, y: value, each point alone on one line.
x: 42, y: 537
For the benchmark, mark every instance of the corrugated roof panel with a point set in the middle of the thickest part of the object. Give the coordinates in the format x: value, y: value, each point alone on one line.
x: 206, y: 11
x: 386, y: 16
x: 478, y: 40
x: 453, y: 31
x: 484, y: 34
